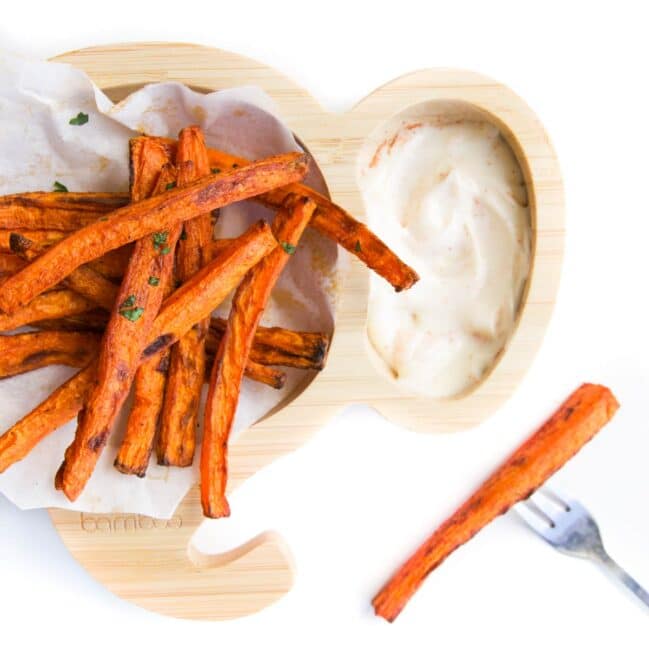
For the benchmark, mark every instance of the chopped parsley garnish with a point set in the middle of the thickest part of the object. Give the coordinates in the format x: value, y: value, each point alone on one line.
x: 103, y: 218
x: 160, y: 240
x: 132, y: 314
x: 289, y: 248
x: 183, y: 235
x: 165, y: 251
x: 357, y: 247
x: 79, y: 120
x: 154, y: 281
x: 216, y: 170
x: 59, y: 187
x: 128, y: 302
x: 170, y: 185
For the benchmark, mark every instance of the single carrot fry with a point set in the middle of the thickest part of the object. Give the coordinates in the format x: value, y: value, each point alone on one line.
x: 247, y: 308
x: 41, y: 238
x: 188, y: 305
x: 59, y: 408
x: 94, y: 321
x: 59, y: 303
x: 148, y: 384
x: 270, y: 376
x: 30, y: 351
x: 177, y: 438
x: 136, y: 307
x: 153, y: 215
x: 143, y: 420
x: 10, y: 264
x: 84, y: 280
x: 64, y: 211
x: 113, y: 263
x: 576, y: 422
x: 279, y: 346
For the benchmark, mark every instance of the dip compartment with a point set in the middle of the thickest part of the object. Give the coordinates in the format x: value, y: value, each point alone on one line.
x: 443, y: 187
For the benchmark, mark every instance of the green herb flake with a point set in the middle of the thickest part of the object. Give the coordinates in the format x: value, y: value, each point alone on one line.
x: 165, y: 251
x: 59, y: 187
x: 289, y: 248
x: 128, y: 302
x: 132, y: 314
x: 154, y: 281
x: 79, y: 120
x: 103, y: 218
x: 216, y: 170
x: 183, y: 235
x: 357, y: 247
x: 159, y: 239
x: 170, y: 185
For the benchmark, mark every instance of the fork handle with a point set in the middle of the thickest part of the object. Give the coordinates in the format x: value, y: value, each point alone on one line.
x: 626, y: 579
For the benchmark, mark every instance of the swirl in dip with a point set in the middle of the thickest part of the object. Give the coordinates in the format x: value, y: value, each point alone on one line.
x: 448, y: 196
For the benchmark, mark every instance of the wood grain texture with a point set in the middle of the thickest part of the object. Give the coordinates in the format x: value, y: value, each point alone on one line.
x: 154, y: 565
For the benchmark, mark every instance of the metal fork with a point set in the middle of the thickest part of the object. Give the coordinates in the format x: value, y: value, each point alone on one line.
x: 568, y: 527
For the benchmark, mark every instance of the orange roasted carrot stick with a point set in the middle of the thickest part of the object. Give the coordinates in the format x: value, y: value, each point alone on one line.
x: 149, y: 380
x: 53, y: 304
x: 153, y: 215
x: 10, y: 264
x: 247, y: 308
x: 279, y: 346
x: 63, y: 211
x: 59, y: 408
x: 576, y: 422
x: 177, y: 438
x: 188, y: 305
x: 30, y: 351
x: 41, y: 238
x: 137, y: 305
x: 85, y: 280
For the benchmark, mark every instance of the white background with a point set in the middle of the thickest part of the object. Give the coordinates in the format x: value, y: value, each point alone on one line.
x: 356, y: 500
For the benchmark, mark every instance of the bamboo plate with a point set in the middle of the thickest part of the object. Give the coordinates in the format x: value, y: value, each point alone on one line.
x: 152, y: 563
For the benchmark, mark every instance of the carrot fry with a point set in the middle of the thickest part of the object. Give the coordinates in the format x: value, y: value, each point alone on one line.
x: 56, y: 210
x: 157, y: 214
x: 279, y: 346
x: 59, y: 408
x: 53, y: 304
x: 247, y: 308
x: 270, y: 376
x: 148, y: 384
x: 10, y: 264
x: 136, y: 307
x: 83, y: 280
x: 143, y: 420
x: 41, y: 238
x: 209, y: 287
x: 576, y: 422
x: 113, y: 263
x: 95, y: 321
x: 177, y: 438
x: 188, y: 305
x: 30, y: 351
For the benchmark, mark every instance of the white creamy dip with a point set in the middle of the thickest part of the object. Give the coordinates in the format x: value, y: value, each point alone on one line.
x: 449, y: 198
